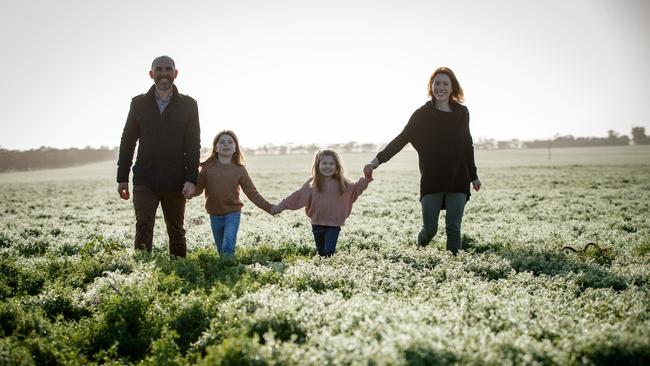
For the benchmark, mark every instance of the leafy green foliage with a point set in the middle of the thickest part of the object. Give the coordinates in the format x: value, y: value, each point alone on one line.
x: 126, y: 320
x: 74, y: 291
x: 425, y: 356
x: 235, y: 351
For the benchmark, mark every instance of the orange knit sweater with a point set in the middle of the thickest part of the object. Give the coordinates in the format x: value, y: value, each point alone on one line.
x: 222, y: 183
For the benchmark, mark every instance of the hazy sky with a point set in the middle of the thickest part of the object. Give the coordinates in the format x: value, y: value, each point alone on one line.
x: 324, y: 71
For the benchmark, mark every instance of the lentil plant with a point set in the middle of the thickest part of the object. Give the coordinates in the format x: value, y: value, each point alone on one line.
x: 74, y: 292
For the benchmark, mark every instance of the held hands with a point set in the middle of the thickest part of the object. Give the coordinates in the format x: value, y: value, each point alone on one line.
x: 476, y: 184
x: 368, y: 169
x: 276, y: 209
x: 188, y: 190
x: 123, y: 190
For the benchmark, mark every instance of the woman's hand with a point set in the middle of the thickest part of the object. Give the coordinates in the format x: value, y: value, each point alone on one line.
x: 367, y: 170
x: 123, y: 190
x: 476, y: 184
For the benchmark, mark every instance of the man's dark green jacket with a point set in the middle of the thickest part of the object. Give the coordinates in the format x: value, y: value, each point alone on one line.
x: 169, y: 144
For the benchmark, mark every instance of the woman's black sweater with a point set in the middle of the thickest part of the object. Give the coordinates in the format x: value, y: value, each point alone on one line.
x: 444, y: 145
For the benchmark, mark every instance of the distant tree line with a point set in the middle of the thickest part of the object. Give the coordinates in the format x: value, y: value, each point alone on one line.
x: 613, y: 139
x: 47, y: 157
x: 639, y: 137
x: 344, y: 147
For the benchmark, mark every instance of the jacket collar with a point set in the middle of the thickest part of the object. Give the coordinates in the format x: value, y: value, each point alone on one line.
x: 152, y: 93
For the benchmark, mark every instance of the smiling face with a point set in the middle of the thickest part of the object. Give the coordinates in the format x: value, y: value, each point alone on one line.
x: 163, y: 72
x: 327, y: 166
x: 225, y: 145
x: 442, y: 88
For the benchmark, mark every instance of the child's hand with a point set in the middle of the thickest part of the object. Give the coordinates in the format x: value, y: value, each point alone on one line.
x: 367, y: 171
x: 275, y: 209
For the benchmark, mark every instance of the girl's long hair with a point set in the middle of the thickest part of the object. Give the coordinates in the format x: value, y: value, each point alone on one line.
x: 237, y: 156
x: 318, y: 179
x: 457, y: 94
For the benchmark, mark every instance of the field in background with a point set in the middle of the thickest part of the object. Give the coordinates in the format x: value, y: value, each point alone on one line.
x: 73, y: 290
x: 616, y: 155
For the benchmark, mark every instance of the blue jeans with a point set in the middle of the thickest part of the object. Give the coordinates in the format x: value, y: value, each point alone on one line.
x: 431, y: 206
x: 325, y: 237
x: 224, y: 230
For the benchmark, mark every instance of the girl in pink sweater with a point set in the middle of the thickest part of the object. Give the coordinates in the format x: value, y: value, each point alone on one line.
x: 327, y: 198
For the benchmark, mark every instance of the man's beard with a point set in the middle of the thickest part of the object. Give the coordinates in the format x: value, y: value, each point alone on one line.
x: 164, y: 83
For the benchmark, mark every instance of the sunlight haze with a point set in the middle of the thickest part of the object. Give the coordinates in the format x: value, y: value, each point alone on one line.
x: 334, y: 71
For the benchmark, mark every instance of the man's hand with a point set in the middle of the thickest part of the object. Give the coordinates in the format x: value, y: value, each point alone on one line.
x: 123, y: 190
x: 188, y: 190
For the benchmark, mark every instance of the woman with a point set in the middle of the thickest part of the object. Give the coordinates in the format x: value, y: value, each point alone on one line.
x: 439, y: 132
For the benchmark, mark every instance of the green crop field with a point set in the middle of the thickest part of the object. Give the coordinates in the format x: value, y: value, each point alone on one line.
x: 74, y: 291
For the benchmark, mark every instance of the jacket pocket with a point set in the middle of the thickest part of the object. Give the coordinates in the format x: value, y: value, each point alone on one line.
x: 142, y: 166
x: 147, y: 124
x: 176, y: 126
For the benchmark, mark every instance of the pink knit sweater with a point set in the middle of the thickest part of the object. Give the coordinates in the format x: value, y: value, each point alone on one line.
x: 328, y: 207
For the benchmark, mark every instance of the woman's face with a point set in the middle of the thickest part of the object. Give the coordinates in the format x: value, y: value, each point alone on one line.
x: 442, y: 88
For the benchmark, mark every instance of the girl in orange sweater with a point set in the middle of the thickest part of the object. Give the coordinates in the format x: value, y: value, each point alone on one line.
x: 222, y: 175
x: 327, y: 197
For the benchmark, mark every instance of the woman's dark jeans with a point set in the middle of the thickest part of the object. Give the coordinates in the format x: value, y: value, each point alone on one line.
x: 431, y: 206
x: 325, y: 237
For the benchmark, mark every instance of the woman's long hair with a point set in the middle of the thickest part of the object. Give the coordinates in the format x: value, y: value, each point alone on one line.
x: 318, y: 179
x: 457, y: 94
x: 237, y: 156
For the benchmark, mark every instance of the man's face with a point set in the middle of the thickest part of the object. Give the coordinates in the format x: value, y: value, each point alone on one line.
x: 163, y: 74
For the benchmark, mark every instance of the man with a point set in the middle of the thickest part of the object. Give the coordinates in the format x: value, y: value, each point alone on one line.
x: 166, y: 126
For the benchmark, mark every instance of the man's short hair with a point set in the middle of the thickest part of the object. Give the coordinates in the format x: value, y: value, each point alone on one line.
x: 162, y: 58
